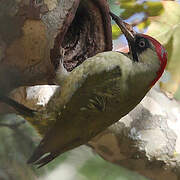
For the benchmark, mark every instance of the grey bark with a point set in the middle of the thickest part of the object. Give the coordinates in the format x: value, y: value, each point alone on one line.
x: 32, y: 33
x: 147, y: 140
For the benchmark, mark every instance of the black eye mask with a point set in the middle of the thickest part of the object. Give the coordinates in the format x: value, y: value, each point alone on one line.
x: 139, y: 45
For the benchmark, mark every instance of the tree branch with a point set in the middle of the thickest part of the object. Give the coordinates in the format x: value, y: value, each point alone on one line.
x: 146, y: 140
x: 33, y: 32
x: 12, y: 126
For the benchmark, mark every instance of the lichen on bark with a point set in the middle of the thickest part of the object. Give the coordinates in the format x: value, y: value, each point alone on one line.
x: 32, y: 32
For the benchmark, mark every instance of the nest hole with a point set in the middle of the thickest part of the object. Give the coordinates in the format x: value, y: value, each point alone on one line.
x: 84, y: 37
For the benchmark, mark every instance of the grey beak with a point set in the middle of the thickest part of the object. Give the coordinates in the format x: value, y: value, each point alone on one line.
x: 126, y: 29
x: 129, y: 33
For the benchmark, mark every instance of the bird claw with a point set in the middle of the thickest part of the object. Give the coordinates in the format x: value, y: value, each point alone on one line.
x: 61, y: 53
x: 61, y: 72
x: 98, y: 103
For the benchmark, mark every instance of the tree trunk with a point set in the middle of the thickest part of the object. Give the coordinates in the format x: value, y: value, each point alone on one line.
x: 146, y: 140
x: 31, y: 36
x: 32, y: 33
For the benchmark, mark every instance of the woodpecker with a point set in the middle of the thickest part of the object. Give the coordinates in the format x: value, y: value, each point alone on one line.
x: 100, y: 91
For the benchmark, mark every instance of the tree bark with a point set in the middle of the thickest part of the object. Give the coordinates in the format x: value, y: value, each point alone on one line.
x: 31, y: 34
x: 147, y: 140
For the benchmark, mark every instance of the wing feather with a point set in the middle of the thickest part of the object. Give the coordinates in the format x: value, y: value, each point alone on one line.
x: 85, y: 86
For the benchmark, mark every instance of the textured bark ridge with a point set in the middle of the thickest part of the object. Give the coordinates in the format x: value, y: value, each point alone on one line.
x: 147, y: 140
x: 32, y: 32
x: 83, y: 35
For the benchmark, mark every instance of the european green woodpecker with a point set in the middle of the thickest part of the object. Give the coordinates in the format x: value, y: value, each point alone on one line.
x: 100, y: 91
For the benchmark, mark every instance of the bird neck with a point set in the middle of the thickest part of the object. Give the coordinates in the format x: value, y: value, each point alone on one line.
x: 151, y: 65
x: 144, y: 73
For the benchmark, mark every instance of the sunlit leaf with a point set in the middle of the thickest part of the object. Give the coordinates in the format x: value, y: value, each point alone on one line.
x: 144, y: 24
x: 166, y: 29
x: 116, y: 32
x: 177, y: 94
x: 150, y: 8
x: 153, y: 8
x: 130, y: 8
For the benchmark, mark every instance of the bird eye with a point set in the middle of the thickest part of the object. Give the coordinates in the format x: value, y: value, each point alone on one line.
x: 142, y: 43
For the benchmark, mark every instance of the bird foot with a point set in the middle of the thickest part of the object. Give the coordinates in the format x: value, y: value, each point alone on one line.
x: 61, y: 59
x: 61, y: 72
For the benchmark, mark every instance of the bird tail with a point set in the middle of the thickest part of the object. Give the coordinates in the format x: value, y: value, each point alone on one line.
x: 40, y: 157
x: 44, y: 158
x: 21, y: 109
x: 43, y: 155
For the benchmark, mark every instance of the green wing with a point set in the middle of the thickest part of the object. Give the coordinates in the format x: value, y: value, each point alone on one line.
x: 83, y: 100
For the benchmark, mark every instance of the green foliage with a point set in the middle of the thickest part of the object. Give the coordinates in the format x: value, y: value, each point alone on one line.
x: 148, y: 7
x: 166, y: 28
x: 116, y: 32
x: 127, y: 9
x: 144, y: 24
x: 177, y: 94
x: 163, y: 22
x: 153, y: 8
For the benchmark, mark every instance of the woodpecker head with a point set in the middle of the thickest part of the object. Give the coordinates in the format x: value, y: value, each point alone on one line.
x: 142, y: 46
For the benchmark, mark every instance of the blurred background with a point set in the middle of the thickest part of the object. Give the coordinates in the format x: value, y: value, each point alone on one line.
x: 161, y: 19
